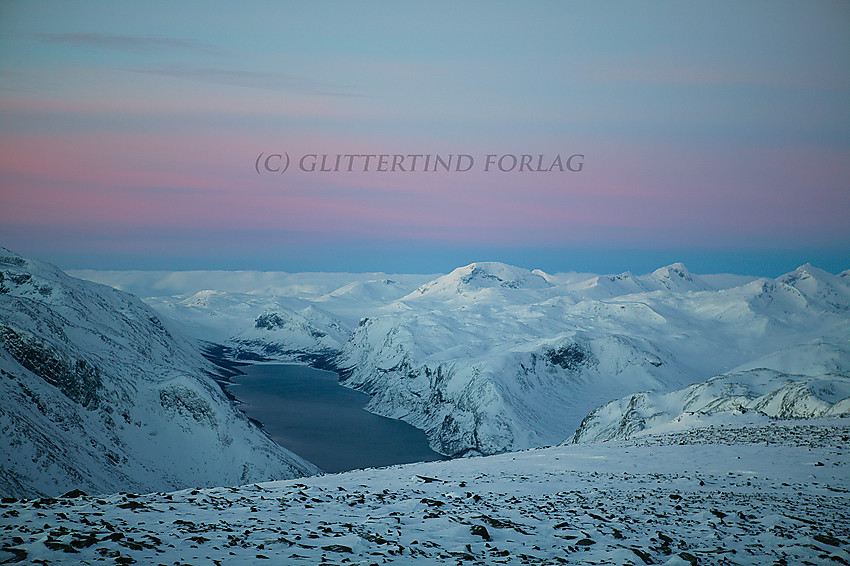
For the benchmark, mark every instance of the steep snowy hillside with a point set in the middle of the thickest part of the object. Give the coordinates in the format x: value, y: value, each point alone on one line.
x: 814, y: 381
x: 474, y: 395
x: 771, y: 494
x: 100, y: 394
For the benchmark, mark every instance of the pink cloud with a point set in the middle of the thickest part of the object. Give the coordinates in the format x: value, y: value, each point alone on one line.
x: 649, y: 194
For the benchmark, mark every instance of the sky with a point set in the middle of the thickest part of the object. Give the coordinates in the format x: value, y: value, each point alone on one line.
x: 154, y: 135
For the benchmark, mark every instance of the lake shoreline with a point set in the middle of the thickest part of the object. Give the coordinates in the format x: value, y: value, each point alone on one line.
x: 307, y: 411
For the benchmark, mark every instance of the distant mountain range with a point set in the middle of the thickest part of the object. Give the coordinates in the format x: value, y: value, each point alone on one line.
x: 104, y: 393
x: 492, y: 358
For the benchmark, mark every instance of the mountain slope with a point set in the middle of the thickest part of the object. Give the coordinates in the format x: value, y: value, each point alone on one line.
x: 814, y: 381
x: 493, y: 358
x: 100, y: 394
x: 675, y: 277
x: 755, y: 495
x: 482, y: 276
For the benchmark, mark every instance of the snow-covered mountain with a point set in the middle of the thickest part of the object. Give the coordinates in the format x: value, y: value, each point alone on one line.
x: 821, y: 289
x: 492, y: 357
x: 477, y: 396
x: 676, y: 278
x: 274, y: 315
x: 735, y: 452
x: 305, y: 285
x: 482, y: 277
x: 100, y: 393
x: 286, y: 332
x: 814, y: 381
x: 512, y: 361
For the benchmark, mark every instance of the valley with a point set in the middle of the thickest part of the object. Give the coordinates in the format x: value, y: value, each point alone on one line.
x: 308, y: 412
x: 667, y: 418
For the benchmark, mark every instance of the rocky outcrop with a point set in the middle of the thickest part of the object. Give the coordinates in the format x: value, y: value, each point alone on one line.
x: 824, y: 391
x: 100, y: 394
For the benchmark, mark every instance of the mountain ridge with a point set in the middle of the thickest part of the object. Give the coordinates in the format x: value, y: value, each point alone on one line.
x: 491, y: 358
x: 102, y: 394
x: 806, y: 381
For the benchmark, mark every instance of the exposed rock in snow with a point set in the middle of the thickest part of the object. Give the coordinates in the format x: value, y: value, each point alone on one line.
x: 483, y: 276
x: 490, y: 400
x: 766, y: 494
x: 820, y: 389
x: 486, y: 369
x: 101, y: 394
x: 491, y: 357
x: 283, y: 333
x: 677, y: 278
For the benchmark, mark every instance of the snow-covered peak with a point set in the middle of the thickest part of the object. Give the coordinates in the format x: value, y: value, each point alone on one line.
x: 677, y: 278
x: 381, y: 290
x: 819, y: 287
x: 202, y: 298
x: 607, y: 286
x: 803, y: 274
x: 484, y: 275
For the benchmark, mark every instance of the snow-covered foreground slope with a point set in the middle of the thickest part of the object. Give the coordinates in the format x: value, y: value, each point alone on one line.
x: 491, y: 358
x: 769, y: 493
x: 819, y: 386
x: 98, y: 393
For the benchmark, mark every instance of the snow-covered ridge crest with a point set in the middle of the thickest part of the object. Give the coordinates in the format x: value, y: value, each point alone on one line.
x: 484, y: 275
x: 676, y: 277
x: 473, y: 365
x: 819, y: 287
x: 101, y: 393
x: 815, y: 383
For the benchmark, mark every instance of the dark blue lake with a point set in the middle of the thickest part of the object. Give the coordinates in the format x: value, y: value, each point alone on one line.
x: 307, y: 411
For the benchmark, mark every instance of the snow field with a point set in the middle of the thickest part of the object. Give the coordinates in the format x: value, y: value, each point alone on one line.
x: 664, y: 501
